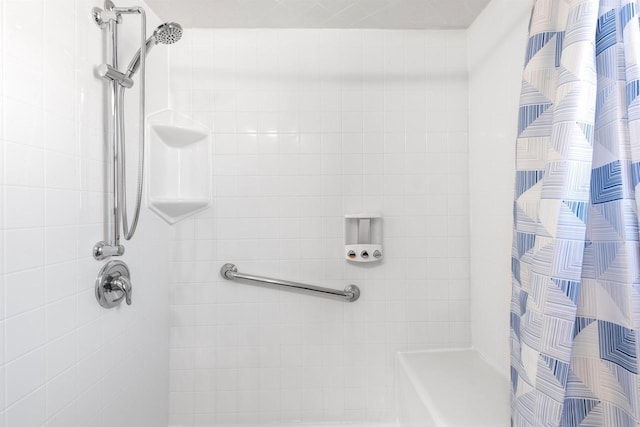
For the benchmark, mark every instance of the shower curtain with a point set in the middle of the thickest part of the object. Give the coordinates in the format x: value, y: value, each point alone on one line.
x: 575, y: 308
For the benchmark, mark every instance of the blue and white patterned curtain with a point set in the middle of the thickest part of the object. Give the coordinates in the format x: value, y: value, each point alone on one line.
x: 575, y: 309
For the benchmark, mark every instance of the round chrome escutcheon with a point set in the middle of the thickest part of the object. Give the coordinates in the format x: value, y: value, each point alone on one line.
x: 107, y: 294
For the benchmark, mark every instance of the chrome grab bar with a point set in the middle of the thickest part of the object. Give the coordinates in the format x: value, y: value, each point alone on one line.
x: 230, y: 272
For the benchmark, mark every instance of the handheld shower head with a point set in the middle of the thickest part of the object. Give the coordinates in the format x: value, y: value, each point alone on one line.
x: 167, y: 33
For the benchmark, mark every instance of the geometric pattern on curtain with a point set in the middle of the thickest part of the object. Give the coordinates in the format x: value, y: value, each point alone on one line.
x: 575, y: 307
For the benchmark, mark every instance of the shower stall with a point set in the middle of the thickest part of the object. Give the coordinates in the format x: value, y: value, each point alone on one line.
x: 325, y: 194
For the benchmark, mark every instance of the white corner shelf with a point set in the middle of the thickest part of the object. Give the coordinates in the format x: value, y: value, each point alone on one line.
x: 177, y: 208
x: 179, y: 169
x: 178, y: 136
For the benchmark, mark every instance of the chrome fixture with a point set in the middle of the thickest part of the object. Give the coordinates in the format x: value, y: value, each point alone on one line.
x: 113, y: 284
x: 167, y: 33
x: 109, y: 73
x: 230, y: 272
x: 109, y: 18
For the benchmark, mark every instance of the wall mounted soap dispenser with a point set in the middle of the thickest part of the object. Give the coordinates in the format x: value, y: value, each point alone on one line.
x: 363, y: 237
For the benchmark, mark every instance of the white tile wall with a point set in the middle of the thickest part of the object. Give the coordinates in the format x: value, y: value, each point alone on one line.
x: 386, y: 14
x: 495, y: 75
x: 311, y: 125
x: 64, y: 361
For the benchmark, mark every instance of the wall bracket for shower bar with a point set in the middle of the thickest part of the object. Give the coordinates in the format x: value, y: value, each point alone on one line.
x: 103, y: 250
x: 111, y: 13
x: 102, y: 17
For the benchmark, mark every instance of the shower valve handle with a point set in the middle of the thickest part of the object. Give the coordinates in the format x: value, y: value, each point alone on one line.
x: 123, y: 284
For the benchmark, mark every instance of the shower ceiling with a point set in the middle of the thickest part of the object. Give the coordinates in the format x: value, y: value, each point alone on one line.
x: 400, y: 14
